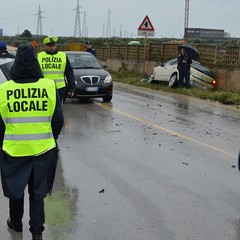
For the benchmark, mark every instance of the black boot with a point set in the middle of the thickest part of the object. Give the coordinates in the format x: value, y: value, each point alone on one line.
x: 17, y: 226
x: 37, y: 236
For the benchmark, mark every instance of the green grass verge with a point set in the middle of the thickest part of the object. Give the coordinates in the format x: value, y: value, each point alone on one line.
x: 225, y: 97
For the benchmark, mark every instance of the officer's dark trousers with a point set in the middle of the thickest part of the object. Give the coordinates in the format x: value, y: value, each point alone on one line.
x: 184, y: 74
x: 36, y: 210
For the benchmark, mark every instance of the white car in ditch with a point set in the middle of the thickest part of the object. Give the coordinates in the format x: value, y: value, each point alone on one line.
x: 200, y: 76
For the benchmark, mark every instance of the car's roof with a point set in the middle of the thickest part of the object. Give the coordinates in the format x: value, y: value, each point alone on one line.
x: 5, y: 60
x: 78, y: 52
x: 174, y: 59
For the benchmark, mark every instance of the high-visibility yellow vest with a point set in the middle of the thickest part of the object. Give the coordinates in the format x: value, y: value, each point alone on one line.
x: 27, y: 111
x: 53, y: 67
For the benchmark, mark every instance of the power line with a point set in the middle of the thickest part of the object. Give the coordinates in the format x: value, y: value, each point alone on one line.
x: 108, y: 29
x: 103, y: 31
x: 121, y: 31
x: 114, y: 32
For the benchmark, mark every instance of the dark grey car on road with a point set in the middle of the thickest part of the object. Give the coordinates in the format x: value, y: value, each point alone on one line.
x: 92, y: 80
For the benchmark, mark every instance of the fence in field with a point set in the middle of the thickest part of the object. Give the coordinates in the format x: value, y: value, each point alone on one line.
x: 227, y: 57
x: 211, y: 55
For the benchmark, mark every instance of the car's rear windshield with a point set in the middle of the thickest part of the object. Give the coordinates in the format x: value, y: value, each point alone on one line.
x: 202, y: 69
x: 6, y: 67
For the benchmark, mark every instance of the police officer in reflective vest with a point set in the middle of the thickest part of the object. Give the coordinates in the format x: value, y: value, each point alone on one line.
x: 55, y: 65
x: 31, y: 118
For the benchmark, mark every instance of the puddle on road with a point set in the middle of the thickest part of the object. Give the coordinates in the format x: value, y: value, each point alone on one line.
x: 57, y: 208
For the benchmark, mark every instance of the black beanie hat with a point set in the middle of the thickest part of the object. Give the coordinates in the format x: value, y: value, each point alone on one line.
x: 26, y: 64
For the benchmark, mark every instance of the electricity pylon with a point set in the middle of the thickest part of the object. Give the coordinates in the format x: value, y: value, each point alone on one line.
x: 84, y: 31
x: 77, y: 28
x: 186, y: 19
x: 39, y: 31
x: 108, y: 29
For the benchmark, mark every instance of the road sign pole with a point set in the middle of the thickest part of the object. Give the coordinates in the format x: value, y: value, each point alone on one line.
x: 145, y: 54
x: 145, y: 29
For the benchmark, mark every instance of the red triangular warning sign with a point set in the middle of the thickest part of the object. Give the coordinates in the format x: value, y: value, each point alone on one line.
x: 146, y: 25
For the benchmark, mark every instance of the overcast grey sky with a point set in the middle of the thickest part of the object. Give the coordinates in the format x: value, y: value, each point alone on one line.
x: 166, y: 16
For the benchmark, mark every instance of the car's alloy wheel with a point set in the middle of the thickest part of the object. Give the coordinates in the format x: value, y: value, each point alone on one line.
x: 173, y: 81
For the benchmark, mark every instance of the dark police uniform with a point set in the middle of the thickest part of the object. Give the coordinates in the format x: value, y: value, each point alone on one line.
x: 4, y: 52
x: 184, y: 64
x: 90, y: 49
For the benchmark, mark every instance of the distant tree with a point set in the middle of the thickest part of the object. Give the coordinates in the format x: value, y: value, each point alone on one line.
x: 26, y: 34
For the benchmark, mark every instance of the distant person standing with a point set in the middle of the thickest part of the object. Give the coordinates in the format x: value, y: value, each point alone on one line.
x: 184, y: 64
x: 4, y: 52
x: 90, y: 49
x: 55, y: 65
x: 239, y: 160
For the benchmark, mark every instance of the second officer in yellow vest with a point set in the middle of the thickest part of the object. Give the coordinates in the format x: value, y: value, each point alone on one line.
x: 56, y: 66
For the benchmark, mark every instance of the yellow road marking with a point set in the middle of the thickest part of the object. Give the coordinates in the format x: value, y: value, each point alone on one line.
x: 213, y: 148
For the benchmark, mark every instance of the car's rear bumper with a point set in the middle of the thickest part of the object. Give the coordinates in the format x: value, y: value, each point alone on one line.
x: 203, y: 83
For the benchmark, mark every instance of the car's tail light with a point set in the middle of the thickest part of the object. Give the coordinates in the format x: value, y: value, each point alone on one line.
x: 213, y: 83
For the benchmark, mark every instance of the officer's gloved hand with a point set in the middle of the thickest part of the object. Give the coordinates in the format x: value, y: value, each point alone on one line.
x: 239, y: 160
x: 71, y: 93
x: 57, y: 148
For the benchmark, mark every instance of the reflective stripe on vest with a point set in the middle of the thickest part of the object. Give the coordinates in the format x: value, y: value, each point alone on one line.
x: 53, y: 72
x: 27, y: 120
x: 28, y: 136
x: 27, y: 111
x: 53, y: 67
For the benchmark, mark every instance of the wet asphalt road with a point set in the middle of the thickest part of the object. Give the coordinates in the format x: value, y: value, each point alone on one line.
x: 147, y: 166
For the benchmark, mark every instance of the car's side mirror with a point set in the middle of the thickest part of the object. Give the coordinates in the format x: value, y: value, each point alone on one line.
x: 104, y: 66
